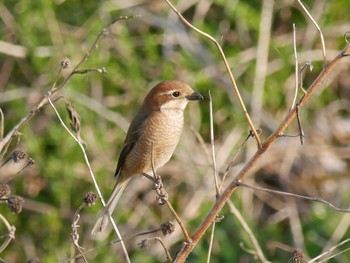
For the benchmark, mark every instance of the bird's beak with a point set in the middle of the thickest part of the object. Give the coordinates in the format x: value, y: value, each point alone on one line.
x: 195, y: 96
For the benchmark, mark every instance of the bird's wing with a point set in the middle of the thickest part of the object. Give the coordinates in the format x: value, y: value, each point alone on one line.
x: 133, y: 135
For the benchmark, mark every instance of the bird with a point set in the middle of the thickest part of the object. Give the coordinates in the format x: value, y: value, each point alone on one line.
x: 152, y: 137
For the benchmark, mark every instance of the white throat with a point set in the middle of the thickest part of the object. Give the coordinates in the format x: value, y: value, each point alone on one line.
x: 174, y: 105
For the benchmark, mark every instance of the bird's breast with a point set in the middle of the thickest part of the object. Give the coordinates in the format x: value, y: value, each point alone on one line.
x: 158, y: 140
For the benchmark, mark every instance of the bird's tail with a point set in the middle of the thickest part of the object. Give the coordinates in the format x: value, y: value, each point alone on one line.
x: 103, y: 220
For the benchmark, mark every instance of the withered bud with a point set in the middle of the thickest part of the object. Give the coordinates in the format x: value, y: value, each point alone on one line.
x: 4, y: 190
x: 15, y: 203
x: 65, y: 63
x: 297, y: 255
x: 144, y: 244
x: 18, y: 155
x: 90, y: 198
x: 167, y: 228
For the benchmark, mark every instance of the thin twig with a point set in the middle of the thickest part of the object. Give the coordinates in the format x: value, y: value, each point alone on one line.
x: 91, y: 175
x: 168, y: 256
x: 302, y: 70
x: 239, y: 97
x: 233, y: 159
x: 179, y: 221
x: 334, y: 255
x: 330, y: 250
x: 84, y: 71
x: 315, y: 199
x: 213, y: 159
x: 211, y: 241
x: 301, y: 131
x: 244, y: 224
x: 262, y: 59
x: 75, y: 234
x: 319, y: 30
x: 2, y: 124
x: 296, y: 67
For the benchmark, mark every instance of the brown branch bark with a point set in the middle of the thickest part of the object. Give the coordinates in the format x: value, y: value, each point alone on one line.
x: 187, y: 248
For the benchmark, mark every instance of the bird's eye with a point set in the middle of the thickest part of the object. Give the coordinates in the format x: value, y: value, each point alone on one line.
x: 175, y: 94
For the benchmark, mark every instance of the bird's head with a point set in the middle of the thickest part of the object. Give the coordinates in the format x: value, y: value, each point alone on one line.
x: 170, y: 95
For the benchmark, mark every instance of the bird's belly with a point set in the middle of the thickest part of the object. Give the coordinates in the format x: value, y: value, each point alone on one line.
x: 156, y: 144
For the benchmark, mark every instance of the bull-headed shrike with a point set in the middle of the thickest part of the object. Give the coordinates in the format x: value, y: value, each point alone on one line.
x: 152, y: 136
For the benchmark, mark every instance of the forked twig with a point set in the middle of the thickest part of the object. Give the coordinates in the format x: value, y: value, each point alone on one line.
x: 239, y: 97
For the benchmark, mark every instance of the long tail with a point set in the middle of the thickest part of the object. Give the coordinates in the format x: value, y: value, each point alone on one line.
x: 103, y: 220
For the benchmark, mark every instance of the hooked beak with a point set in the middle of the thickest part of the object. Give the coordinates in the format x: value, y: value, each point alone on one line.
x: 195, y: 96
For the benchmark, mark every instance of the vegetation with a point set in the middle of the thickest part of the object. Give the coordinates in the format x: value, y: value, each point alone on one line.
x: 137, y: 53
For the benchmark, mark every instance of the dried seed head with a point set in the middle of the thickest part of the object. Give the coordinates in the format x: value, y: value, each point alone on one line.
x: 4, y: 190
x: 144, y: 244
x: 18, y: 155
x: 65, y: 63
x: 297, y: 255
x: 15, y: 203
x: 90, y: 198
x: 167, y: 228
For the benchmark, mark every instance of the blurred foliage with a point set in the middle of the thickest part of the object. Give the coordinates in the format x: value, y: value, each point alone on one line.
x: 138, y: 53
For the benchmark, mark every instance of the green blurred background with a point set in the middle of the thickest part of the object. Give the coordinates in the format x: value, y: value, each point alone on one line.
x: 35, y: 36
